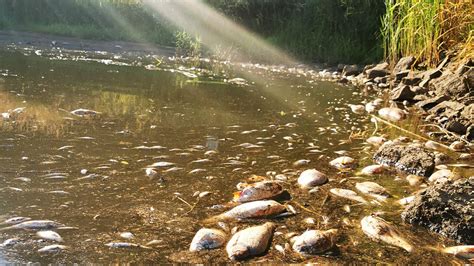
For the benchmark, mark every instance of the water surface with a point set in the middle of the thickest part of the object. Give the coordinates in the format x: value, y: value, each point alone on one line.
x: 289, y: 117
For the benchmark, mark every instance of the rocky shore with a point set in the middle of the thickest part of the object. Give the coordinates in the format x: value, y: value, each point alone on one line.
x: 445, y: 97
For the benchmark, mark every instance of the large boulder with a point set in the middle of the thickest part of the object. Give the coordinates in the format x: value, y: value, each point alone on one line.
x: 380, y: 70
x: 446, y: 208
x: 411, y: 159
x: 453, y: 85
x: 351, y: 70
x: 404, y: 63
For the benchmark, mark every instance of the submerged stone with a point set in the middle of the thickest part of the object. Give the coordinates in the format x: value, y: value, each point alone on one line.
x: 411, y: 159
x: 446, y: 208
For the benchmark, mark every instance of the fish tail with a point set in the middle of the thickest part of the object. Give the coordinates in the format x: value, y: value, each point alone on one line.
x: 404, y: 244
x: 5, y: 228
x: 214, y: 219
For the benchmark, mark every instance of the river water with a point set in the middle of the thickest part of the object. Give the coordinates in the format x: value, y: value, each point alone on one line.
x: 287, y: 117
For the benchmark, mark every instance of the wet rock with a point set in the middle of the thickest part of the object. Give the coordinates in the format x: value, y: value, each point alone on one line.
x: 380, y: 70
x: 351, y: 70
x: 453, y: 85
x: 411, y: 81
x: 402, y: 93
x: 400, y: 75
x: 405, y: 63
x: 445, y: 208
x: 411, y: 159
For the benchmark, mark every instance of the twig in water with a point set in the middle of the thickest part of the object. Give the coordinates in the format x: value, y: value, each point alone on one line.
x: 408, y: 132
x: 446, y: 132
x: 192, y: 208
x: 304, y: 208
x: 184, y: 201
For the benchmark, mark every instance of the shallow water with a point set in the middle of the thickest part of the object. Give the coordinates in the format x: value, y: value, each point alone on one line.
x: 290, y: 116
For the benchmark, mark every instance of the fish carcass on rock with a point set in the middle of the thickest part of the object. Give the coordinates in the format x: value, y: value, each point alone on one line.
x: 254, y: 209
x: 314, y: 242
x: 378, y: 229
x: 250, y: 242
x: 311, y: 178
x: 207, y: 238
x: 372, y: 189
x: 258, y: 191
x: 348, y: 194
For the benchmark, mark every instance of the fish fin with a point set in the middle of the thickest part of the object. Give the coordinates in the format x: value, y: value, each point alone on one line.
x: 236, y: 195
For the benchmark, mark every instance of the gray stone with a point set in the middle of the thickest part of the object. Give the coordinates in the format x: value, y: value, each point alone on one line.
x: 401, y: 74
x: 351, y: 70
x: 450, y: 84
x: 404, y: 63
x: 380, y: 70
x: 411, y: 80
x: 432, y: 102
x: 446, y: 208
x: 402, y: 93
x: 411, y: 159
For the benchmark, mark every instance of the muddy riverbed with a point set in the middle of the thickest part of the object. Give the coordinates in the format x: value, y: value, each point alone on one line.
x: 88, y: 172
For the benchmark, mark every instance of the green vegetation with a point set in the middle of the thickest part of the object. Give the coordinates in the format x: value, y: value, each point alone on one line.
x: 334, y: 31
x: 428, y: 29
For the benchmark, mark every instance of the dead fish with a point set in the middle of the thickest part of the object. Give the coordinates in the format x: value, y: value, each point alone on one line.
x: 34, y: 225
x: 314, y: 242
x: 374, y: 169
x: 433, y: 145
x: 195, y: 171
x: 406, y: 201
x: 378, y: 229
x: 370, y: 107
x: 15, y: 220
x: 311, y: 178
x: 143, y: 147
x: 127, y: 235
x: 250, y: 242
x: 52, y: 248
x: 125, y: 245
x: 50, y: 235
x: 173, y: 169
x: 154, y: 242
x: 343, y: 162
x: 200, y: 161
x: 84, y: 112
x: 464, y: 252
x: 301, y: 162
x: 348, y: 194
x: 357, y: 108
x: 376, y: 140
x: 10, y: 242
x: 207, y: 238
x: 23, y: 179
x: 162, y: 164
x: 458, y: 146
x: 249, y: 210
x: 373, y: 189
x: 393, y: 114
x: 258, y: 191
x: 204, y: 193
x: 151, y: 173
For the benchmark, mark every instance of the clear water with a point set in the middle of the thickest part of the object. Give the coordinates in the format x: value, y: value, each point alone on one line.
x: 167, y: 108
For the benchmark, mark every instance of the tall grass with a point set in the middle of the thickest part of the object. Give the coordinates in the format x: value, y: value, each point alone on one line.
x: 426, y: 29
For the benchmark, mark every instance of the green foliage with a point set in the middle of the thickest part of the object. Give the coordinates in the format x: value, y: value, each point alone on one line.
x: 187, y: 45
x: 427, y: 28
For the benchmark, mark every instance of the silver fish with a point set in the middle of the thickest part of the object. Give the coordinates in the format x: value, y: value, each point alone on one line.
x: 125, y: 245
x: 249, y: 210
x: 314, y: 242
x: 15, y: 220
x: 348, y: 194
x: 378, y: 229
x: 52, y: 248
x: 50, y: 235
x: 258, y: 191
x: 249, y: 242
x: 207, y: 238
x: 34, y: 225
x: 311, y: 178
x: 10, y: 242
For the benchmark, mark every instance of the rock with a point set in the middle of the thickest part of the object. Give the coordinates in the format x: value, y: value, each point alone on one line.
x: 402, y: 93
x: 401, y: 74
x: 452, y: 85
x: 381, y: 79
x: 410, y: 159
x: 463, y: 68
x: 405, y: 63
x: 411, y: 81
x: 351, y: 70
x: 380, y: 70
x: 432, y: 102
x: 445, y: 208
